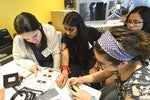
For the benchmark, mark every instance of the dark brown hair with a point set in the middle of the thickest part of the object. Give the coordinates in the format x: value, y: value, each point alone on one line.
x: 136, y: 43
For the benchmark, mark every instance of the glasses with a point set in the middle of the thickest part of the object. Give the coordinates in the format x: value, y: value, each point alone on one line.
x: 102, y: 66
x: 134, y: 22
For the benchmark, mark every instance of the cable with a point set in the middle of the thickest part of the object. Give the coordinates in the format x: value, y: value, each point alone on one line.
x: 29, y: 95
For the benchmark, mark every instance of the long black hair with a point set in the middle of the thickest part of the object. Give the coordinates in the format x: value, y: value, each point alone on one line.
x: 26, y: 22
x: 78, y: 46
x: 144, y: 13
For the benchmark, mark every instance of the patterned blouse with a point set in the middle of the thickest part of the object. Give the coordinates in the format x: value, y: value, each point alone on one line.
x: 138, y: 84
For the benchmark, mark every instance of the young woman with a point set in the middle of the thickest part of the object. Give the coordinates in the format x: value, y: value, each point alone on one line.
x: 77, y: 48
x: 139, y: 18
x: 35, y: 44
x: 123, y: 52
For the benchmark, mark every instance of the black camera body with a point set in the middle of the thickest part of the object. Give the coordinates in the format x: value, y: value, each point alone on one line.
x: 11, y: 80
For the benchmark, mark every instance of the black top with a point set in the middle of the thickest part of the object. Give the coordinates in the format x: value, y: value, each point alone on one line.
x: 77, y: 49
x: 42, y: 60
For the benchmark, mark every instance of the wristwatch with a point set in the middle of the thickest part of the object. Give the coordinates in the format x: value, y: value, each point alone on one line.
x: 93, y: 98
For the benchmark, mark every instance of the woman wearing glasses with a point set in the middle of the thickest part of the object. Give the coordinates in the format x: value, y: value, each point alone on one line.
x: 35, y: 44
x: 122, y: 51
x: 139, y: 18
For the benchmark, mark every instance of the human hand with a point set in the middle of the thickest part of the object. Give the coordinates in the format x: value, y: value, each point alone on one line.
x: 62, y: 79
x: 79, y: 94
x: 93, y: 70
x: 75, y: 80
x: 34, y: 69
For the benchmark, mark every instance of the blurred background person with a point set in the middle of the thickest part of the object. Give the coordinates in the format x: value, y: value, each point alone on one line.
x: 139, y: 18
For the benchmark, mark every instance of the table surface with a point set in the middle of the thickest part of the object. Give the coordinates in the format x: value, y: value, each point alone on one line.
x: 64, y: 94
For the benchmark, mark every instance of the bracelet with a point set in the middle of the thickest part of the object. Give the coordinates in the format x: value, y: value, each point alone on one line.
x: 65, y: 67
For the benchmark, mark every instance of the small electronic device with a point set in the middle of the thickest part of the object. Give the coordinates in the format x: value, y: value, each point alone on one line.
x: 72, y: 87
x: 11, y: 80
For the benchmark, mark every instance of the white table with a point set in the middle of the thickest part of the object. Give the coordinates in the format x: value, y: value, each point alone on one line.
x: 11, y: 67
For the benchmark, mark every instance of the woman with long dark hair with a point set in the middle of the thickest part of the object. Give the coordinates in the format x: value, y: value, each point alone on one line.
x: 139, y: 18
x: 77, y: 48
x: 35, y: 44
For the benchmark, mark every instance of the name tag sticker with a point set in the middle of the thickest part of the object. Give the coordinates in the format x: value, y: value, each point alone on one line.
x: 46, y: 52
